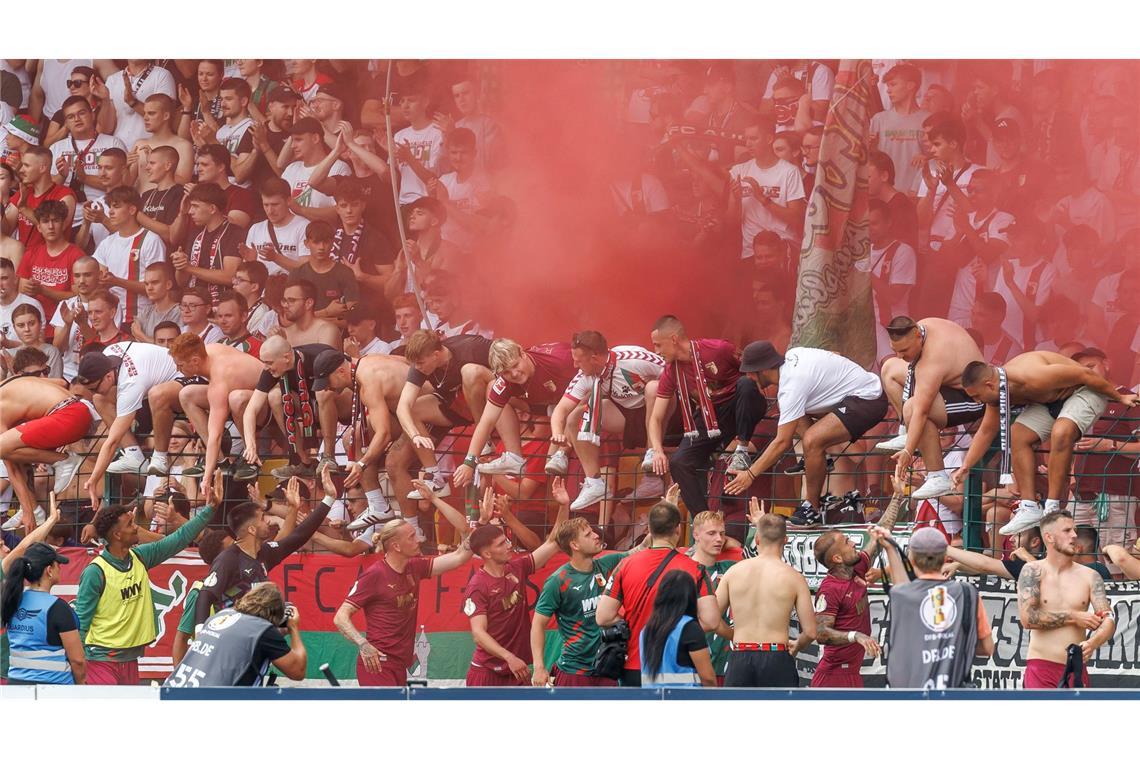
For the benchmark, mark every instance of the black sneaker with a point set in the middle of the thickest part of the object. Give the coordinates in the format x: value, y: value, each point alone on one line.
x: 245, y: 472
x: 840, y: 510
x: 805, y: 515
x: 307, y: 471
x: 799, y: 468
x: 194, y: 471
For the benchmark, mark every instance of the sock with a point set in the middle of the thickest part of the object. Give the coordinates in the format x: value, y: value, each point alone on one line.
x: 742, y: 447
x: 376, y: 501
x: 414, y: 521
x: 596, y: 479
x: 133, y: 451
x: 1052, y: 505
x: 1030, y: 503
x: 158, y: 458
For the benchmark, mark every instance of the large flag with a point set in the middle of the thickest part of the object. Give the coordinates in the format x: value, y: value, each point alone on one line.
x: 833, y: 308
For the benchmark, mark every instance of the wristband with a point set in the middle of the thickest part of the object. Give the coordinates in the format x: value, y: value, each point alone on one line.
x: 360, y: 463
x: 187, y: 113
x: 851, y: 636
x: 470, y: 460
x: 328, y: 501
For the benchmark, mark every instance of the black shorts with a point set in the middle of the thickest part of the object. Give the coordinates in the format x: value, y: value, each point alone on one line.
x: 960, y: 408
x: 749, y: 669
x: 859, y: 415
x: 192, y: 380
x: 454, y: 420
x: 633, y: 436
x: 144, y: 422
x: 629, y: 678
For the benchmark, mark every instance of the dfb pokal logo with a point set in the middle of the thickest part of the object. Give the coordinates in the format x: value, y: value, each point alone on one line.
x: 938, y: 610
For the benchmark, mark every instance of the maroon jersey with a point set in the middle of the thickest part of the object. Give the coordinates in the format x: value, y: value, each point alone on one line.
x: 721, y: 363
x: 390, y: 601
x: 846, y: 599
x: 553, y: 370
x: 503, y: 601
x: 628, y: 586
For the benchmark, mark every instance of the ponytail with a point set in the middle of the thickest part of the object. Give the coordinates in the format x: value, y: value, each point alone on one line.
x: 13, y: 590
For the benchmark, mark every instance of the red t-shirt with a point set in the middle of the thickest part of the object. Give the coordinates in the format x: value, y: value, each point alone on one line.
x: 846, y: 599
x: 26, y: 229
x: 503, y: 601
x: 242, y: 199
x: 721, y: 363
x: 553, y: 370
x: 48, y: 270
x: 627, y: 585
x: 390, y: 601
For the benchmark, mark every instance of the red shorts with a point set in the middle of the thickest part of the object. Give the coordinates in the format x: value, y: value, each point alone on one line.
x: 837, y: 675
x: 61, y: 427
x: 107, y: 673
x: 562, y: 678
x: 477, y: 676
x: 1044, y: 674
x: 390, y: 674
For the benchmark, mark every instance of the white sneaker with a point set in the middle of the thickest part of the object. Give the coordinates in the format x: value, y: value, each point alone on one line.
x: 647, y: 461
x: 488, y: 450
x: 593, y: 491
x: 13, y: 522
x: 1024, y: 518
x: 739, y: 461
x: 891, y: 445
x: 936, y: 484
x: 127, y: 465
x: 440, y: 486
x: 370, y: 517
x: 65, y: 471
x: 649, y: 487
x: 558, y: 463
x: 508, y: 463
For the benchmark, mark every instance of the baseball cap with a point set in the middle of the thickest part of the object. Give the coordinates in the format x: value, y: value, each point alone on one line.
x: 906, y: 71
x: 331, y: 90
x: 327, y: 362
x: 283, y: 95
x: 429, y: 204
x: 94, y: 365
x: 1091, y: 351
x: 42, y: 555
x: 1007, y: 129
x: 358, y: 314
x: 927, y: 541
x: 307, y: 126
x: 22, y: 128
x: 760, y: 355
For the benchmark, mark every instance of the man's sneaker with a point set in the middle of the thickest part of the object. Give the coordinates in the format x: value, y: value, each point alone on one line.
x: 647, y: 461
x: 508, y: 463
x: 245, y: 472
x: 936, y: 484
x: 593, y: 491
x: 558, y: 463
x: 65, y: 471
x: 13, y: 522
x: 369, y: 518
x: 845, y: 509
x: 1024, y: 518
x: 194, y: 471
x: 649, y: 487
x: 799, y: 468
x: 294, y: 471
x: 739, y: 460
x: 440, y: 486
x: 805, y: 515
x: 891, y: 445
x: 488, y: 449
x: 127, y: 464
x: 161, y: 470
x: 326, y: 462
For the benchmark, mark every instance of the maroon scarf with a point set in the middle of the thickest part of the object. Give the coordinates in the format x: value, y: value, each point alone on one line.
x: 704, y: 398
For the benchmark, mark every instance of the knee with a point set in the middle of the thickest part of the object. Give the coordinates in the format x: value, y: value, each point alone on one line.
x: 1022, y: 435
x: 473, y: 375
x: 893, y: 370
x: 1065, y: 434
x: 813, y: 444
x: 679, y: 464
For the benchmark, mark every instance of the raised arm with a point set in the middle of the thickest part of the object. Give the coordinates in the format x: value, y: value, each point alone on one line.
x: 987, y: 430
x: 978, y: 563
x: 805, y: 613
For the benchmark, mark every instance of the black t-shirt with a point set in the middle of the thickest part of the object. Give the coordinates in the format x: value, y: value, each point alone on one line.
x: 162, y: 205
x: 270, y: 646
x: 1014, y: 566
x: 372, y: 247
x: 261, y: 168
x: 380, y: 212
x: 340, y: 281
x: 692, y: 640
x: 211, y: 249
x: 309, y: 352
x: 60, y: 619
x: 448, y: 380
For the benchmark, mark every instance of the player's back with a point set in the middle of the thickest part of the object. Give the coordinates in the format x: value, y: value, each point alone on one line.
x: 762, y: 595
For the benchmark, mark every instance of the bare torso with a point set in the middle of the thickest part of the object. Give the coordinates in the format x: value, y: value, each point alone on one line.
x: 388, y: 374
x: 233, y: 369
x: 317, y: 332
x: 1065, y: 590
x: 947, y: 351
x: 1026, y: 383
x: 762, y: 595
x: 28, y: 398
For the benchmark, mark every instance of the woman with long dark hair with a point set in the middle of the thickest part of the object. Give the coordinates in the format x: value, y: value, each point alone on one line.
x: 43, y: 630
x: 674, y: 651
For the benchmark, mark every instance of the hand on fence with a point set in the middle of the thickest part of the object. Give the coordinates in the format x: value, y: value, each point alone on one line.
x: 558, y: 491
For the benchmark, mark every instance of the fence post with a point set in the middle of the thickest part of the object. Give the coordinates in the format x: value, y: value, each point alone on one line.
x: 972, y: 517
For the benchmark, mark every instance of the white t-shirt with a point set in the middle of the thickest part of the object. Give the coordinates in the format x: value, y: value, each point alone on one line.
x: 290, y: 239
x: 1036, y: 281
x: 6, y: 328
x: 75, y: 339
x: 647, y: 196
x: 297, y: 175
x: 990, y: 227
x: 822, y: 81
x: 903, y: 271
x: 231, y: 136
x: 942, y: 224
x: 427, y: 146
x: 53, y: 81
x: 812, y: 381
x: 68, y: 147
x: 1091, y: 207
x: 781, y: 183
x: 115, y: 254
x: 635, y: 366
x: 128, y: 123
x: 900, y: 137
x: 145, y: 365
x: 467, y: 196
x: 211, y: 334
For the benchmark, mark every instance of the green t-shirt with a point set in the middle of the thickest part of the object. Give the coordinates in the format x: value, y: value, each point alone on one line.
x: 572, y: 597
x: 186, y: 622
x: 718, y: 647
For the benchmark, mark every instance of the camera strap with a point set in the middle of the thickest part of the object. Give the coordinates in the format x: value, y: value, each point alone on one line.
x: 661, y: 568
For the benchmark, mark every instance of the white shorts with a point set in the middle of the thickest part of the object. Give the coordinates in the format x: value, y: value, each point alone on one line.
x: 1083, y: 408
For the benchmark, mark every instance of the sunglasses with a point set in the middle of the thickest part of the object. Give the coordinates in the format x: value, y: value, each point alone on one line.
x: 73, y: 83
x: 36, y: 372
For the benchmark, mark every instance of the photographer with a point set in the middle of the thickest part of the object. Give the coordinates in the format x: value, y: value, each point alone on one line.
x: 236, y: 646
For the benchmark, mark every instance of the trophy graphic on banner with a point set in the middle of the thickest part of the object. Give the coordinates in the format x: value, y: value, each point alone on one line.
x: 419, y: 670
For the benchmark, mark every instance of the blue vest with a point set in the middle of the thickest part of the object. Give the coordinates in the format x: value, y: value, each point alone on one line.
x: 671, y: 674
x: 32, y: 658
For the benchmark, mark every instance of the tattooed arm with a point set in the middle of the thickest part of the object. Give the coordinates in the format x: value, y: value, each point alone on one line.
x: 1029, y: 602
x: 1102, y: 608
x: 889, y: 518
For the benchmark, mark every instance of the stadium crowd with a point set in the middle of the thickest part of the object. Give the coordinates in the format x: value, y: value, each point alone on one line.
x: 220, y: 274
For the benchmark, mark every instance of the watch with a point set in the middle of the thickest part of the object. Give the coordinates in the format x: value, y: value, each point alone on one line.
x: 851, y: 636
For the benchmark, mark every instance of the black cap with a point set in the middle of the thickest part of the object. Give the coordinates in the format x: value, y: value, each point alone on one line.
x: 1091, y: 351
x: 42, y: 555
x: 1007, y: 129
x: 327, y: 362
x: 359, y: 313
x: 429, y: 204
x: 332, y: 90
x: 283, y: 94
x: 759, y: 356
x: 94, y: 365
x: 307, y: 126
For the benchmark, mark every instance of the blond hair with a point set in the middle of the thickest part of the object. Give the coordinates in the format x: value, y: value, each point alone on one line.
x: 264, y: 601
x: 503, y: 353
x: 706, y: 517
x: 388, y: 532
x: 569, y: 531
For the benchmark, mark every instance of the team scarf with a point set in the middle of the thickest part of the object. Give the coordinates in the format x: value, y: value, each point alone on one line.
x: 1003, y: 412
x: 300, y: 417
x: 357, y: 424
x: 704, y: 398
x: 908, y: 386
x: 590, y: 429
x: 134, y: 259
x: 350, y: 256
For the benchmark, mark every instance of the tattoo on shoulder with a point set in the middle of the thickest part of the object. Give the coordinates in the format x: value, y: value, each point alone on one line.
x: 1029, y: 599
x: 1099, y: 595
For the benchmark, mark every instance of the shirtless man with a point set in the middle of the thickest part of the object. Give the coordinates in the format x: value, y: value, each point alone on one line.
x: 219, y: 369
x: 924, y: 384
x: 362, y: 393
x: 305, y: 326
x: 1064, y: 400
x: 1053, y: 599
x: 159, y: 118
x: 763, y: 592
x: 37, y: 417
